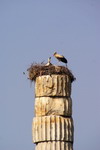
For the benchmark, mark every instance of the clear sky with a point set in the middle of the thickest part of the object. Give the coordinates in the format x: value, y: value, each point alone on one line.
x: 31, y: 30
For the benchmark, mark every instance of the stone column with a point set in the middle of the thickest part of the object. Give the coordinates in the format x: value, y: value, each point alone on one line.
x: 52, y: 127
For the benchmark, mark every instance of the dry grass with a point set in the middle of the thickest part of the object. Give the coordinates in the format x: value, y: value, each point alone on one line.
x: 36, y: 70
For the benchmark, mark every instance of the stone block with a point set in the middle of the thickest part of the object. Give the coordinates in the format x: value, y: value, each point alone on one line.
x: 55, y: 145
x: 54, y: 85
x: 52, y: 128
x: 45, y: 106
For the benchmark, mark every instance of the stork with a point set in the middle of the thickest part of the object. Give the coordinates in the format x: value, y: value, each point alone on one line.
x: 60, y: 58
x: 49, y: 62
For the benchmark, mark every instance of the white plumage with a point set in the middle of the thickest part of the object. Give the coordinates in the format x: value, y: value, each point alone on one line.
x: 60, y: 57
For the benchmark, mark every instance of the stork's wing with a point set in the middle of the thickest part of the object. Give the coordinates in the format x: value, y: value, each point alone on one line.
x: 59, y: 56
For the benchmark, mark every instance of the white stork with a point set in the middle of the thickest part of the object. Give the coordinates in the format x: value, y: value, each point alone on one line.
x: 60, y: 58
x: 49, y: 62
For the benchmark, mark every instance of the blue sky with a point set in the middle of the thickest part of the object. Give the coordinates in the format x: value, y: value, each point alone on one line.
x: 31, y: 30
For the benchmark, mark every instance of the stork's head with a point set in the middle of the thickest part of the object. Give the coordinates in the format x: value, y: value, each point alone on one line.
x: 54, y: 53
x: 49, y: 57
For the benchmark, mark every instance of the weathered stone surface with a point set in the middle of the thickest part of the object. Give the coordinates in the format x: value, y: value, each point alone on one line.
x: 45, y: 106
x: 52, y: 128
x: 55, y: 145
x: 54, y: 85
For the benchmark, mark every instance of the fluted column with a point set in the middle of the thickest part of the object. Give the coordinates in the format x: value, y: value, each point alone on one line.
x: 52, y: 126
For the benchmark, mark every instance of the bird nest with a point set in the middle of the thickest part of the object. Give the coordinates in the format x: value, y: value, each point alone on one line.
x: 36, y: 70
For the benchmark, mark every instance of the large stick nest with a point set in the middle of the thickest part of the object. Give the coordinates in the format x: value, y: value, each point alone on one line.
x: 36, y: 70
